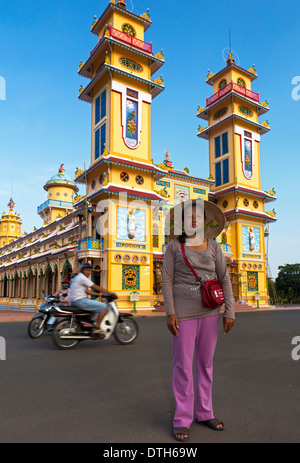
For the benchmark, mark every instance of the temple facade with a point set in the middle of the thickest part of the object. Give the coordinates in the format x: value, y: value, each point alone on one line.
x: 117, y: 223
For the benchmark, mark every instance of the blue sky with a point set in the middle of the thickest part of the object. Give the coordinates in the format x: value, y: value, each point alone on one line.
x: 43, y: 124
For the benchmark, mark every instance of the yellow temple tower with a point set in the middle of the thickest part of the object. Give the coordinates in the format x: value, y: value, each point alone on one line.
x: 61, y: 191
x: 121, y: 178
x: 234, y: 134
x: 10, y: 225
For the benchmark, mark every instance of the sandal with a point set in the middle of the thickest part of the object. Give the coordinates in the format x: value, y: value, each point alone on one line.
x: 213, y: 424
x: 177, y: 431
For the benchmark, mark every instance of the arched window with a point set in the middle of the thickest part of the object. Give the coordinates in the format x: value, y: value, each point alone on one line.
x: 222, y: 84
x: 241, y: 82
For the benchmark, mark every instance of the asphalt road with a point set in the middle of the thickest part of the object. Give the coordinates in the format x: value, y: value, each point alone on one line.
x: 102, y: 392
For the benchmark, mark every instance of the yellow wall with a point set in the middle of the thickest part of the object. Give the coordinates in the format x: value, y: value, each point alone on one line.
x: 232, y: 106
x: 236, y: 109
x: 120, y: 18
x: 237, y: 200
x: 141, y: 60
x: 61, y: 193
x: 231, y: 74
x: 117, y: 170
x: 10, y: 228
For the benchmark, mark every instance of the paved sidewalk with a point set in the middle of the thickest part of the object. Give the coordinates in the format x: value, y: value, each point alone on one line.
x: 7, y: 316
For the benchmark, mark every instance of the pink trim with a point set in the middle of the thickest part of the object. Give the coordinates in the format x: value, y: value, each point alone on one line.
x: 135, y: 164
x: 137, y: 43
x: 235, y: 87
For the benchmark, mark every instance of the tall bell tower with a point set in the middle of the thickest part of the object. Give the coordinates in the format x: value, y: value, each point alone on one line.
x: 10, y: 225
x: 120, y: 90
x: 234, y: 134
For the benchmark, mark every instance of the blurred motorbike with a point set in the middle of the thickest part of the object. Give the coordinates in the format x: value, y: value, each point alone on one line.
x: 43, y: 320
x: 74, y: 325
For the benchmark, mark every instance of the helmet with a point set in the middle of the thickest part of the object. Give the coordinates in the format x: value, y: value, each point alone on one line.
x: 85, y: 265
x: 66, y: 281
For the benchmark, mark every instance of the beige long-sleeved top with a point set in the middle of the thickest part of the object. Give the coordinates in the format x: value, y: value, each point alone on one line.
x: 181, y: 290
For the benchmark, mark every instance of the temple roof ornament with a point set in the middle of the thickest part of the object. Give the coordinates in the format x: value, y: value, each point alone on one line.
x: 166, y: 164
x: 11, y: 205
x: 60, y: 179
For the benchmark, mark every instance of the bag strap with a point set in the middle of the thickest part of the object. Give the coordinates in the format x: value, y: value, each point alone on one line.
x: 188, y: 263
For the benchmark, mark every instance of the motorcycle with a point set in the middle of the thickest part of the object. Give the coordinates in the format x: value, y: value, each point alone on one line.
x: 43, y: 320
x: 75, y: 325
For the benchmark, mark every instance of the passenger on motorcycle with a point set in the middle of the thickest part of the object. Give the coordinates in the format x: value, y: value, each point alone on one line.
x: 81, y: 286
x: 64, y: 292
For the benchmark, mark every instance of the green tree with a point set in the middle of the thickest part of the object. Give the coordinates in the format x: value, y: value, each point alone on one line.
x: 288, y: 282
x: 272, y: 291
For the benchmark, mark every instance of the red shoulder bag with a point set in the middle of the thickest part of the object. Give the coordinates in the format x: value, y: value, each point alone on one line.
x: 211, y: 290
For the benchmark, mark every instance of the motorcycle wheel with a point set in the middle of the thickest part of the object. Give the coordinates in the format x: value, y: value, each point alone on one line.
x: 127, y: 331
x: 64, y: 344
x: 36, y: 328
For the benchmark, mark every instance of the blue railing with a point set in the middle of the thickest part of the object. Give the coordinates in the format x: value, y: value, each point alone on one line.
x: 225, y: 247
x: 91, y: 244
x: 55, y: 203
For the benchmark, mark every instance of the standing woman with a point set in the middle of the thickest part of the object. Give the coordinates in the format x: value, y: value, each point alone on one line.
x: 194, y: 327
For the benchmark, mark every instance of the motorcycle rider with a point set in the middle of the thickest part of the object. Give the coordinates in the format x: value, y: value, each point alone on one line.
x: 64, y: 292
x: 81, y: 286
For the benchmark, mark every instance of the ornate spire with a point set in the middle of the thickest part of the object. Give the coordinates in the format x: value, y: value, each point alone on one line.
x: 230, y: 59
x: 61, y: 170
x: 122, y: 4
x: 11, y: 205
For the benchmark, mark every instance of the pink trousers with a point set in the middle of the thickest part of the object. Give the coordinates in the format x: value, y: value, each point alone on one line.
x: 197, y: 336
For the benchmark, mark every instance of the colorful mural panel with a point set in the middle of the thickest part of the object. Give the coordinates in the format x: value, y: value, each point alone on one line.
x: 131, y: 123
x: 131, y: 224
x: 251, y: 239
x: 248, y: 159
x: 252, y: 279
x: 130, y: 277
x: 181, y: 193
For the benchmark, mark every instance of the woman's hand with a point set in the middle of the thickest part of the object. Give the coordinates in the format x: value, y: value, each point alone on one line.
x: 173, y: 324
x: 227, y: 324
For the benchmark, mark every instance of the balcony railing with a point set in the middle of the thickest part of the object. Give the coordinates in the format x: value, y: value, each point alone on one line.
x: 55, y: 203
x: 119, y: 35
x: 90, y: 244
x: 236, y: 88
x: 226, y: 248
